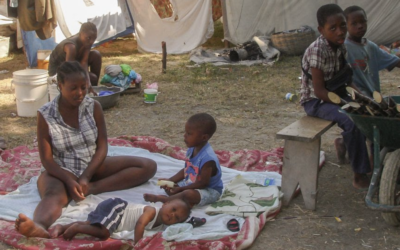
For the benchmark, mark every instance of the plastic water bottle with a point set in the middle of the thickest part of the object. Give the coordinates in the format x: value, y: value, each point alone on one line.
x: 265, y: 181
x: 291, y: 97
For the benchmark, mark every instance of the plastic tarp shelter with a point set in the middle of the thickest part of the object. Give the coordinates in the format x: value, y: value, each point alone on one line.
x: 245, y: 19
x: 112, y: 19
x: 189, y: 26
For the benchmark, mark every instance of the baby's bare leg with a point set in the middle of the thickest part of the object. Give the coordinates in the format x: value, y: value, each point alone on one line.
x: 98, y: 231
x: 58, y: 229
x: 191, y: 196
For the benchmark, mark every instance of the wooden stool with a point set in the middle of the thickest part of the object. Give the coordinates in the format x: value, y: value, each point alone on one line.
x: 301, y: 158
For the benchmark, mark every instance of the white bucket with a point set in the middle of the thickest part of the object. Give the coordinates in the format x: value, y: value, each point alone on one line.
x: 150, y: 95
x: 30, y: 90
x: 53, y: 91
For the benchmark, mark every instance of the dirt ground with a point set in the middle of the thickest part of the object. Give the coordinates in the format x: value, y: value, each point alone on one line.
x: 248, y: 104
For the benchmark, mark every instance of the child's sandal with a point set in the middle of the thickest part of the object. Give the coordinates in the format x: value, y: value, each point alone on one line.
x: 196, y: 221
x: 233, y: 225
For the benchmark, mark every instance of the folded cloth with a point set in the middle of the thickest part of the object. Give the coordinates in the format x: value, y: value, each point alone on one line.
x: 138, y: 78
x: 120, y: 80
x: 106, y: 79
x: 106, y: 92
x: 112, y: 70
x: 126, y: 69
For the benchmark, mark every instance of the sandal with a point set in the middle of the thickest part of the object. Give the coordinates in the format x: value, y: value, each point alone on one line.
x: 196, y: 221
x: 233, y: 225
x: 3, y: 144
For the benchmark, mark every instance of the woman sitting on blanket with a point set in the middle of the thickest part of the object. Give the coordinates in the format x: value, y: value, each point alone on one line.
x: 72, y: 141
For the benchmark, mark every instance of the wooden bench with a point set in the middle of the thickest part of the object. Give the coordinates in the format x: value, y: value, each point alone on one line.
x: 301, y: 158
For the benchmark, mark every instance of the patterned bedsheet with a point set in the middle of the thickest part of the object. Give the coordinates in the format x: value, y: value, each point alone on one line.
x: 18, y: 165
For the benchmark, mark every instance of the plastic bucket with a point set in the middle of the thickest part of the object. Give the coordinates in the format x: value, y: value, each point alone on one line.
x: 53, y: 91
x: 150, y: 95
x: 43, y: 57
x: 30, y: 90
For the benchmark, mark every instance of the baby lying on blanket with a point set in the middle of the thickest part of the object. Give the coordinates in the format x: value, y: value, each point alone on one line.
x: 116, y: 215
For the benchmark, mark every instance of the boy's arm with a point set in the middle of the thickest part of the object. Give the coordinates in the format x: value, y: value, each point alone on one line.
x: 144, y: 219
x: 178, y: 176
x: 319, y: 84
x: 202, y: 180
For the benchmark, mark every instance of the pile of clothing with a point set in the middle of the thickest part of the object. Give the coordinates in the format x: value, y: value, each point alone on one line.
x: 120, y: 75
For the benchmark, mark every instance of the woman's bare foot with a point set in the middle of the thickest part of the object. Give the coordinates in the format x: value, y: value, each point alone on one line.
x: 154, y: 198
x: 29, y: 228
x: 57, y: 230
x: 361, y: 181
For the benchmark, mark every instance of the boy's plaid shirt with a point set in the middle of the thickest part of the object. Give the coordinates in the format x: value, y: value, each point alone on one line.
x: 319, y: 55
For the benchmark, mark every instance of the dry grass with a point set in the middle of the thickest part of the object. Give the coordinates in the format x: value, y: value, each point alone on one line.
x: 249, y: 105
x: 237, y: 96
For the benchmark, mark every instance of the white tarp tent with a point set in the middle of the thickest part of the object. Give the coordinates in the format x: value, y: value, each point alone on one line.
x: 191, y: 22
x: 111, y: 17
x: 243, y: 19
x: 189, y: 26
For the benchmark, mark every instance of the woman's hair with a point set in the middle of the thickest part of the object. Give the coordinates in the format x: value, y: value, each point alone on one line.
x: 69, y: 68
x: 326, y: 11
x: 86, y: 27
x: 204, y: 122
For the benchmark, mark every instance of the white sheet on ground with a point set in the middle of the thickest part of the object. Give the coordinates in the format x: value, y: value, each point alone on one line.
x: 26, y: 197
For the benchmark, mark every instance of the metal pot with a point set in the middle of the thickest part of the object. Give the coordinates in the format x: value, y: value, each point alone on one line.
x: 107, y: 101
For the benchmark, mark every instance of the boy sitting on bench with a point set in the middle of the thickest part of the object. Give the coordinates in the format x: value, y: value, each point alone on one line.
x: 322, y: 60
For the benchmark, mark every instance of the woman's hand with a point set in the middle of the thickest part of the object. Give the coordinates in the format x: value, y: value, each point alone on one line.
x: 84, y: 183
x: 75, y: 190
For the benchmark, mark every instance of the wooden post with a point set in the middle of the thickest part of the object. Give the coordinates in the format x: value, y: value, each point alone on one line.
x: 164, y: 56
x: 226, y: 43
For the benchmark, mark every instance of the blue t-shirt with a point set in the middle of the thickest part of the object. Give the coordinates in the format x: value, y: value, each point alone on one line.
x: 367, y: 59
x: 193, y: 166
